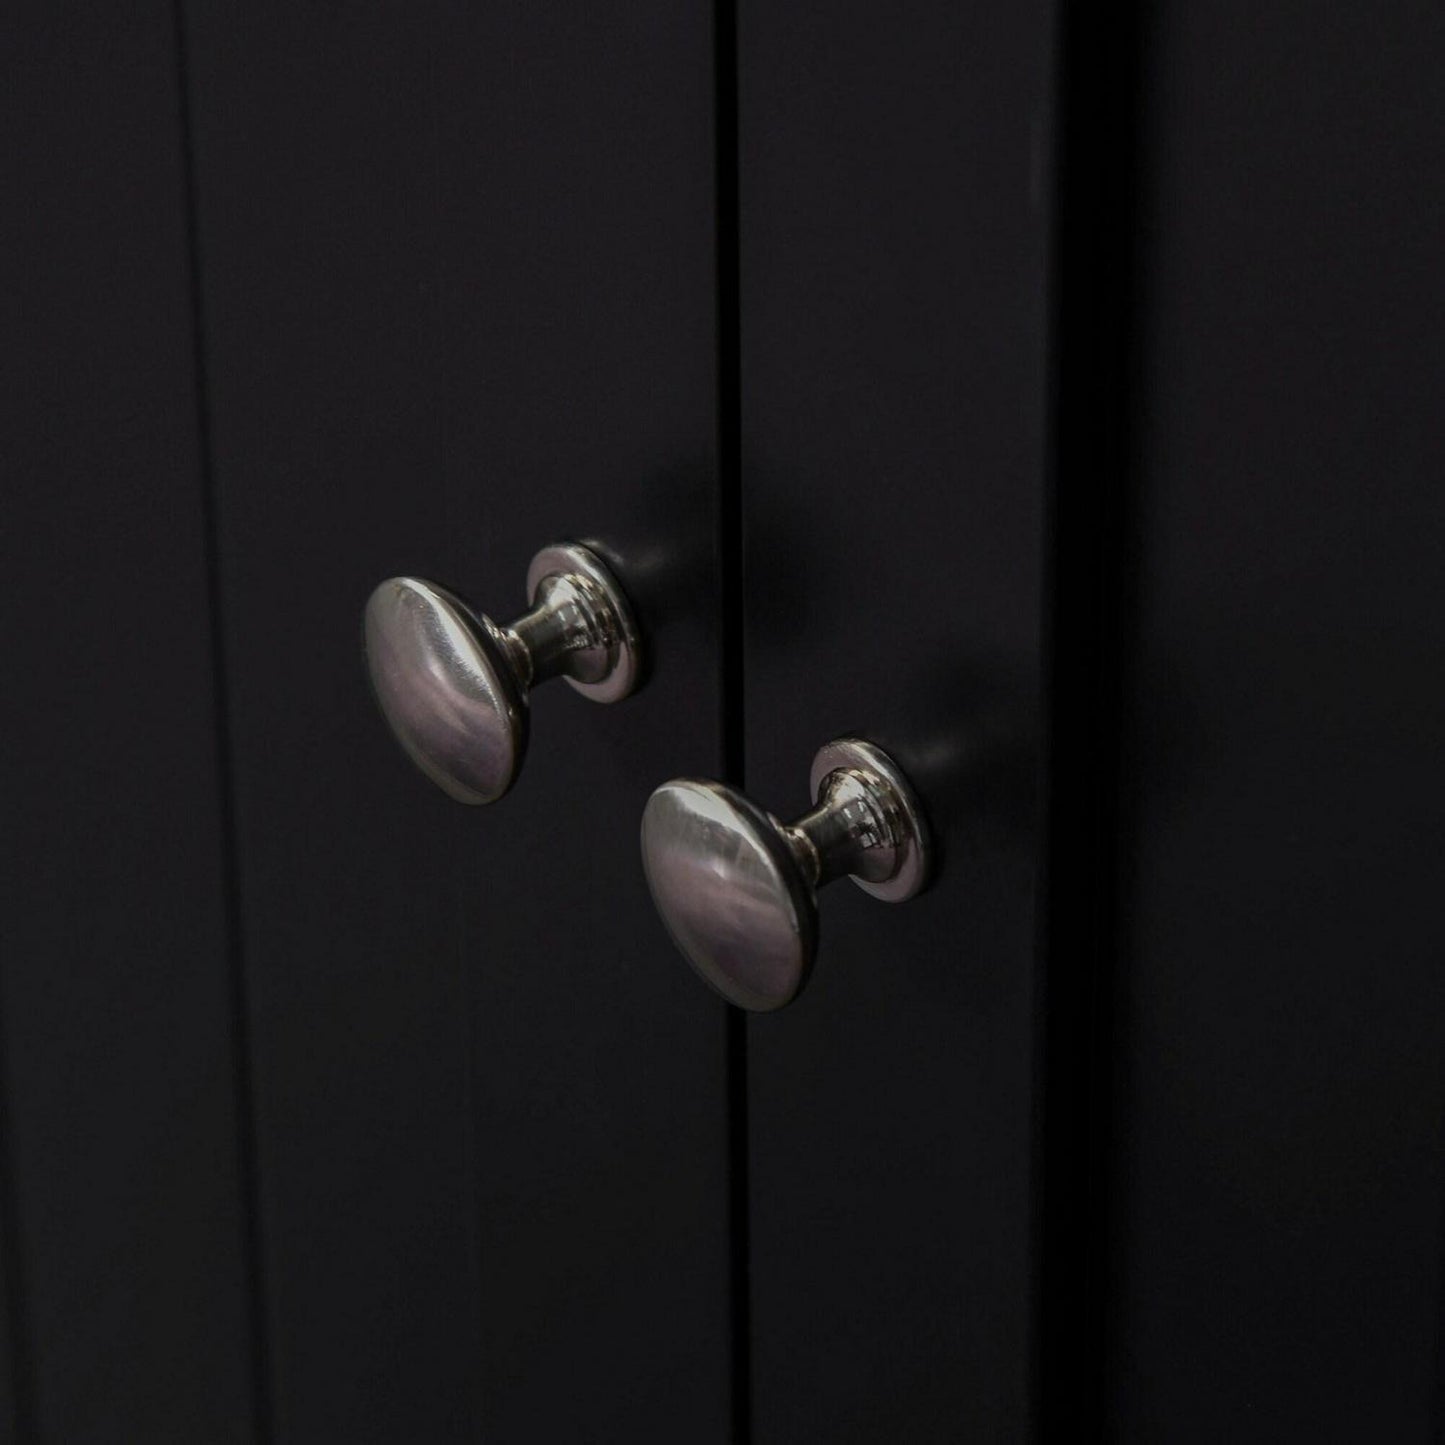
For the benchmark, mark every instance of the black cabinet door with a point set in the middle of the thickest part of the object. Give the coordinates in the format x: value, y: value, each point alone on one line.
x: 458, y: 302
x: 894, y: 206
x: 121, y: 1194
x: 1052, y: 397
x: 1275, y: 1179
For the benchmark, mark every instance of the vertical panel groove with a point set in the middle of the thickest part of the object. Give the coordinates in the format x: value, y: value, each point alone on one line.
x: 247, y: 1167
x: 730, y: 549
x: 21, y: 1374
x: 1086, y: 609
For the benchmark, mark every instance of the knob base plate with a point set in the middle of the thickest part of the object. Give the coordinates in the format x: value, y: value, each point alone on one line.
x: 911, y: 843
x: 624, y: 675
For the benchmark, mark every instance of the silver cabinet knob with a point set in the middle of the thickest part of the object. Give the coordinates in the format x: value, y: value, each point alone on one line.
x: 453, y: 684
x: 737, y: 888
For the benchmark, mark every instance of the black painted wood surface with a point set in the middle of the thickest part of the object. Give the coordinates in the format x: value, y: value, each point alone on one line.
x: 894, y: 202
x: 331, y: 1110
x: 124, y: 1213
x: 458, y: 303
x: 1276, y: 1177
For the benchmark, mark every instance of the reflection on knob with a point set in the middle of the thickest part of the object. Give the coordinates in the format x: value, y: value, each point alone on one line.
x: 737, y: 889
x: 453, y: 684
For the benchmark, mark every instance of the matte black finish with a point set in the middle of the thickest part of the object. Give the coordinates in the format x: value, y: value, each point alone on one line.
x: 894, y: 209
x: 12, y: 1333
x: 1277, y: 1184
x: 1072, y: 383
x: 458, y: 303
x: 123, y: 1211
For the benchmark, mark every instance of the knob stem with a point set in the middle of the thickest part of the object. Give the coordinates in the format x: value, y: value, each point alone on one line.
x: 850, y: 832
x: 571, y: 632
x: 580, y: 625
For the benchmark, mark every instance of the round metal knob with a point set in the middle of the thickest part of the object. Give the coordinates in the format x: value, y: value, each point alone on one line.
x: 453, y: 685
x: 737, y: 889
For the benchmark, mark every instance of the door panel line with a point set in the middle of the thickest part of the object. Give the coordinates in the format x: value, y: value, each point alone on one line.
x: 248, y: 1167
x: 1094, y: 307
x: 732, y: 660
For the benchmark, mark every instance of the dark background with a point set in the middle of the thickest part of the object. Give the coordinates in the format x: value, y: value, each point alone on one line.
x: 1053, y: 396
